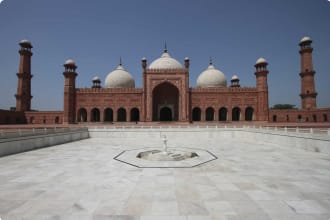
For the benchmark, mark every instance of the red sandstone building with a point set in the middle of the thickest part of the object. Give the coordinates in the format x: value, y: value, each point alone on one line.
x: 165, y: 95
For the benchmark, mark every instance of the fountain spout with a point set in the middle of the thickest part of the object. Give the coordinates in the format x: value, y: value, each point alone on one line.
x: 165, y: 145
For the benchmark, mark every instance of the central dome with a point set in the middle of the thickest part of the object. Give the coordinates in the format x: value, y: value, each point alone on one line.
x: 211, y: 77
x: 119, y: 78
x: 165, y: 62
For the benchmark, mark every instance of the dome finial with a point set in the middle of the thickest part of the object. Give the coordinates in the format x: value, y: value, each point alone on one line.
x: 120, y: 63
x: 165, y: 48
x: 211, y: 63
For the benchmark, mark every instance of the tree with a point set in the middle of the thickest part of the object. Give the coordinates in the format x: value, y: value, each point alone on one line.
x: 284, y: 106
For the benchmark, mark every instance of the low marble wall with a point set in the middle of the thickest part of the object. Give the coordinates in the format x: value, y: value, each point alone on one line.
x: 16, y: 145
x: 283, y: 138
x: 306, y: 141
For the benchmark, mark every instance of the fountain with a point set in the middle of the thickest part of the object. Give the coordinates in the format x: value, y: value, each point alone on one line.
x: 165, y: 145
x: 166, y: 155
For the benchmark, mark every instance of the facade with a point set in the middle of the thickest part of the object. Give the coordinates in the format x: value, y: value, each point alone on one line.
x: 166, y: 94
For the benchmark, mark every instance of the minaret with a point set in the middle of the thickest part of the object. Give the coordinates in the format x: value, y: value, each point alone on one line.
x: 69, y: 91
x: 145, y: 89
x: 308, y: 93
x: 186, y: 62
x: 23, y: 95
x: 262, y: 89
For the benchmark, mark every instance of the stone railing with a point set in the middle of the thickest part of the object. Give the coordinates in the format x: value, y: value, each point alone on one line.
x: 291, y: 130
x: 18, y: 141
x: 5, y: 134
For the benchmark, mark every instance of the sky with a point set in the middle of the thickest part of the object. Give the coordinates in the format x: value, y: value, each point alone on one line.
x: 95, y: 34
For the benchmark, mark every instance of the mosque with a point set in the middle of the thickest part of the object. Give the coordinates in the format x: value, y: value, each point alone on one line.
x: 165, y: 95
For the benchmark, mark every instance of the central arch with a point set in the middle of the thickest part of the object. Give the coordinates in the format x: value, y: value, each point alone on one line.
x: 165, y: 102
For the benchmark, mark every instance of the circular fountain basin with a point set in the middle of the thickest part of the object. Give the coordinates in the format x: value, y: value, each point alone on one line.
x: 175, y: 155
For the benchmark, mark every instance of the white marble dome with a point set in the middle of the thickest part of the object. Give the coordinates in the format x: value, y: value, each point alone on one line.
x: 165, y: 62
x: 119, y: 78
x: 261, y: 60
x: 304, y: 39
x: 211, y: 77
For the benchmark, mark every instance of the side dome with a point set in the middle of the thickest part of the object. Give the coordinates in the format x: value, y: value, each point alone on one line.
x: 165, y: 62
x: 211, y: 77
x: 119, y: 78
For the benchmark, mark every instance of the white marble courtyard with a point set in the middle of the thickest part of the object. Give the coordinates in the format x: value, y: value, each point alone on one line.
x: 249, y: 180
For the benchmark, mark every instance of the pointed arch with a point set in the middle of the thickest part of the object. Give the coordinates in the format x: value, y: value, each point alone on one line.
x: 95, y: 115
x: 236, y: 114
x: 165, y: 114
x: 135, y: 114
x: 57, y: 120
x: 223, y: 114
x: 209, y: 114
x: 121, y: 114
x: 82, y: 115
x: 249, y: 114
x: 274, y: 118
x: 196, y: 114
x: 108, y: 115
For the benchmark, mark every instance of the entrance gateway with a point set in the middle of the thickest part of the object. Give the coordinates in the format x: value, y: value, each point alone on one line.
x: 165, y: 100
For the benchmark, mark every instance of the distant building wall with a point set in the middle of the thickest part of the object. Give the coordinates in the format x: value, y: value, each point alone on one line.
x: 108, y: 104
x: 224, y: 104
x: 44, y: 117
x: 295, y: 115
x: 11, y: 117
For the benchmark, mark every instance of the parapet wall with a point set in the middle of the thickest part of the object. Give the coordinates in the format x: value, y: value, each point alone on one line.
x: 306, y: 139
x: 315, y: 140
x: 23, y: 141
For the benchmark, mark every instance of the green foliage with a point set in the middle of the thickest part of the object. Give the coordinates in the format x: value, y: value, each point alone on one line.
x: 284, y: 106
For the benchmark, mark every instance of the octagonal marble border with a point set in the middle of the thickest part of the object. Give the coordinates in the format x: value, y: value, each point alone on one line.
x: 130, y: 157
